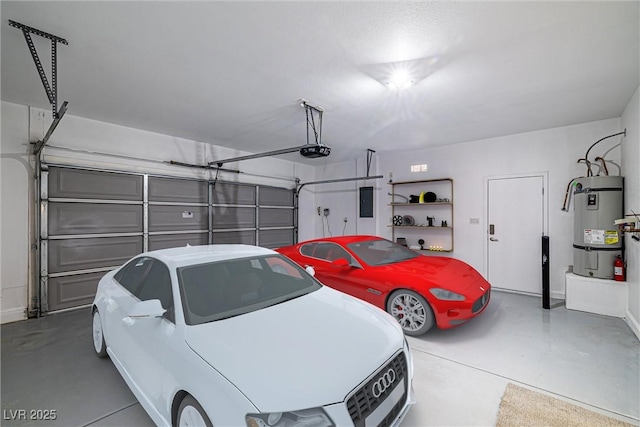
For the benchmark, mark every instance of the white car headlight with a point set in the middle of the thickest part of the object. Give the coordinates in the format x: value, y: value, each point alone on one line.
x: 446, y: 295
x: 314, y: 417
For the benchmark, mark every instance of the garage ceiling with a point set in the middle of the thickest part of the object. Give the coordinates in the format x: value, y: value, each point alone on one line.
x: 232, y: 73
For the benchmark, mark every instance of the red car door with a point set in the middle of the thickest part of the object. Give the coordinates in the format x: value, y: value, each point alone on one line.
x: 347, y: 276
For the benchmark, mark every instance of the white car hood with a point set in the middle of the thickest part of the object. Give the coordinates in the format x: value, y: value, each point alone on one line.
x: 307, y: 352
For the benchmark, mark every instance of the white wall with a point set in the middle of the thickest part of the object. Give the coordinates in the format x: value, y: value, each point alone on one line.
x: 631, y: 168
x: 554, y: 151
x: 342, y: 199
x: 96, y: 144
x: 14, y: 212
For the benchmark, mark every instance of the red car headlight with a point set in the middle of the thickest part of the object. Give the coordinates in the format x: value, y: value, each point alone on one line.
x: 445, y: 295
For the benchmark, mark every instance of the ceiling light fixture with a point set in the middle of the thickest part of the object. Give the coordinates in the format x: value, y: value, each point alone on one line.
x: 400, y: 79
x: 402, y: 74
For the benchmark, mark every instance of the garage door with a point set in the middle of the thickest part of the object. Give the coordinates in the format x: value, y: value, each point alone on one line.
x: 275, y: 217
x: 254, y: 215
x: 94, y: 220
x: 178, y: 212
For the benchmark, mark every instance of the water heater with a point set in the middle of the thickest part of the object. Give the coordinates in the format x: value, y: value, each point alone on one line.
x: 598, y: 202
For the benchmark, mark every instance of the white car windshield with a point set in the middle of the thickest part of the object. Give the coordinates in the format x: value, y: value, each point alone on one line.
x: 223, y: 289
x: 381, y: 252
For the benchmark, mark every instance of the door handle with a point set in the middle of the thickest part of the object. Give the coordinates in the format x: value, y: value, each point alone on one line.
x: 493, y: 239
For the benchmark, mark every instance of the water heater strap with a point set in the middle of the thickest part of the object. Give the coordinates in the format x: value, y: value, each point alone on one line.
x: 591, y: 248
x: 593, y: 190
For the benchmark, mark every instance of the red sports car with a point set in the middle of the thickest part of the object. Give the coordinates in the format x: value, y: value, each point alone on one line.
x: 419, y: 291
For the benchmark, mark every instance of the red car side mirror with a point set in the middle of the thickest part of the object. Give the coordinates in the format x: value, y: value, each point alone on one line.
x: 340, y: 262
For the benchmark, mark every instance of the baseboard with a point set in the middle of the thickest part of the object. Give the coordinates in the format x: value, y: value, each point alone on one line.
x: 13, y: 315
x: 633, y: 323
x: 558, y: 296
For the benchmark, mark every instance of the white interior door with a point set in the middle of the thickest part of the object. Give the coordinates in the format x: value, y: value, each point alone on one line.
x: 514, y: 230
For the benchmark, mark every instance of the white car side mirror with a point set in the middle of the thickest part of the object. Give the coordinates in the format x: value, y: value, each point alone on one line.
x: 309, y: 269
x: 147, y: 309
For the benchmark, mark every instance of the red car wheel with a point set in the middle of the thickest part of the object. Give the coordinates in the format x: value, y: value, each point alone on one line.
x: 412, y: 311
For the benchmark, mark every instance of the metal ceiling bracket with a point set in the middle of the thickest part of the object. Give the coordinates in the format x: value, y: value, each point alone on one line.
x: 310, y: 110
x: 369, y: 156
x: 51, y: 90
x: 40, y: 144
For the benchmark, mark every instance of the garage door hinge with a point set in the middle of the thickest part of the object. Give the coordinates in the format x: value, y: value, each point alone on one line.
x: 33, y: 312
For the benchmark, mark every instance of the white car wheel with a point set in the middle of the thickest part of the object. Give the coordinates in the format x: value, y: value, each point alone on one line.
x: 412, y: 311
x: 99, y: 345
x: 191, y: 414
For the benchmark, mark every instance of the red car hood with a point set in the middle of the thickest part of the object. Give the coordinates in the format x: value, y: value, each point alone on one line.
x: 448, y: 273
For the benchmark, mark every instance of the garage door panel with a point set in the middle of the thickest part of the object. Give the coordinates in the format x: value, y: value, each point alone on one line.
x: 225, y: 193
x: 72, y: 291
x: 233, y: 217
x: 97, y: 220
x: 94, y: 218
x: 270, y: 196
x: 83, y: 254
x: 276, y: 238
x: 177, y: 218
x: 86, y: 184
x: 178, y: 190
x: 227, y: 237
x: 163, y: 241
x: 276, y: 217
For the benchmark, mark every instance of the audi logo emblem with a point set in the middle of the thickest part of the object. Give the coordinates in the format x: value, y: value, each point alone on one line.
x: 383, y: 383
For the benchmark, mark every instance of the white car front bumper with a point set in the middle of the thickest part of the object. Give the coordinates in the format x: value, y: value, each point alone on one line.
x: 378, y: 401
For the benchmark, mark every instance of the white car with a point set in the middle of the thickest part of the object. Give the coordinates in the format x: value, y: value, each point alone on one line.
x: 237, y: 335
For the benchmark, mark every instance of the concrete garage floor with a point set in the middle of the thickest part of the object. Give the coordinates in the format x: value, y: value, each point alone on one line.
x: 461, y: 374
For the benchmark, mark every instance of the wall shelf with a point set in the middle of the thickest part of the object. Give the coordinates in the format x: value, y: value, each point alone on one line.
x: 422, y: 226
x: 435, y: 235
x: 420, y: 204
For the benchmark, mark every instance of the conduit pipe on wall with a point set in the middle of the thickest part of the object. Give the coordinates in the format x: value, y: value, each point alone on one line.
x: 586, y: 156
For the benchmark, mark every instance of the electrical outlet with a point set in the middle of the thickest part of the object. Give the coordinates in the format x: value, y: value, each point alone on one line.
x: 326, y: 211
x: 319, y: 210
x: 345, y: 219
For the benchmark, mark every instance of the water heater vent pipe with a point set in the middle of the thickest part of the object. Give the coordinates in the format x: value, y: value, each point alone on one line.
x: 586, y: 156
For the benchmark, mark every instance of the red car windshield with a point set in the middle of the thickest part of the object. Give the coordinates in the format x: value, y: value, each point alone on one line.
x: 381, y: 252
